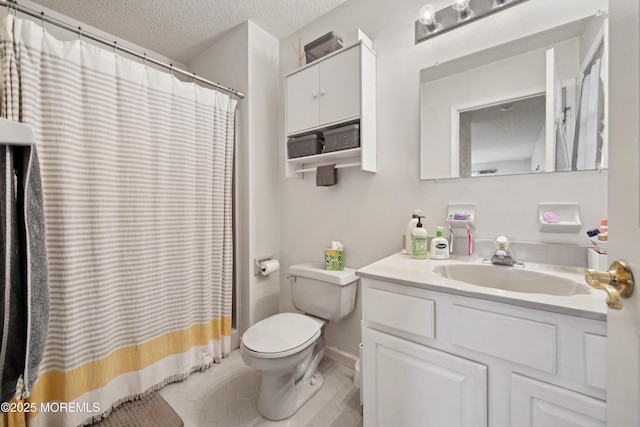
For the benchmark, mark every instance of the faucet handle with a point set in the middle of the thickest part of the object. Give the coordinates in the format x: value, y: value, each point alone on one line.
x: 502, y: 243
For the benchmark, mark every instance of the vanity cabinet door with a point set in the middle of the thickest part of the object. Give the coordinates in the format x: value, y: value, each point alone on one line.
x: 407, y: 384
x: 538, y: 404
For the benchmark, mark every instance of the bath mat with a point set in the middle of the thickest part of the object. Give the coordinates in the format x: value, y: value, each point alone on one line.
x: 149, y: 411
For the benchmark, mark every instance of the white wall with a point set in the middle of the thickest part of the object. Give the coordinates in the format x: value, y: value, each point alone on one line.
x: 246, y: 58
x: 369, y: 212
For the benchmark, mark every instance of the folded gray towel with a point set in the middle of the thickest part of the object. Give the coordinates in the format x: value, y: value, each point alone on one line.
x: 326, y: 176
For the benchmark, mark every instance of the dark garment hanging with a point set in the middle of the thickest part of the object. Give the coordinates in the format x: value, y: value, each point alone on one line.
x: 24, y: 295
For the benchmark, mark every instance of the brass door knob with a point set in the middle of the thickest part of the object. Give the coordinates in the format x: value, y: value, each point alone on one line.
x: 617, y: 282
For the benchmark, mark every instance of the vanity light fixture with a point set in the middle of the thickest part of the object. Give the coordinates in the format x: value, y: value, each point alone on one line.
x: 431, y: 23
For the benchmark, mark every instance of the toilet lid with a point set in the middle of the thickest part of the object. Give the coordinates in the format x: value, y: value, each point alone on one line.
x: 280, y: 333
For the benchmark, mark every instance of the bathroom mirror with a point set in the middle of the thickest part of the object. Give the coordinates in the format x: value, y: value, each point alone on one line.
x: 530, y: 105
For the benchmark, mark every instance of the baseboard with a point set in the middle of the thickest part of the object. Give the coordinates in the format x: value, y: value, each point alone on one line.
x: 342, y: 357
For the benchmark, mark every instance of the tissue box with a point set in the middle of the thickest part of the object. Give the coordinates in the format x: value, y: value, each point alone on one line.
x: 334, y: 259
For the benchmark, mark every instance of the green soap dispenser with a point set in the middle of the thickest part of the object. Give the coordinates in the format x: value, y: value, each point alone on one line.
x: 419, y: 247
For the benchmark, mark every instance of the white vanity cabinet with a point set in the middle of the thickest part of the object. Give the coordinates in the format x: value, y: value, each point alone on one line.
x: 336, y: 90
x: 444, y: 360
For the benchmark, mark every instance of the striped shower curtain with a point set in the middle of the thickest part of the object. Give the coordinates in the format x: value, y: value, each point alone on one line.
x: 136, y: 173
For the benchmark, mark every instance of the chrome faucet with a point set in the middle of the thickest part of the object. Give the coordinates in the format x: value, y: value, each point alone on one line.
x: 502, y: 255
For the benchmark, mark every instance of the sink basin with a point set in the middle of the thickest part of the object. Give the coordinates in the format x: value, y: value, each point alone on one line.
x: 512, y: 279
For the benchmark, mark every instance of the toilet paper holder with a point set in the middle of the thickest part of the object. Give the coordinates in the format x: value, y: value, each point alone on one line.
x: 257, y: 264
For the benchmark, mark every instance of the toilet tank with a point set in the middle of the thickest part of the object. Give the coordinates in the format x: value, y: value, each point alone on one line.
x: 326, y: 294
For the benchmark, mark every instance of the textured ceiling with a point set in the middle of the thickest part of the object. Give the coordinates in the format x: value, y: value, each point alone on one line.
x: 182, y: 29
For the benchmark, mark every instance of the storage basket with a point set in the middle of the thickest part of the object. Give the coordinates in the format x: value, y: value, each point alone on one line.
x: 342, y: 138
x: 322, y: 46
x: 301, y: 146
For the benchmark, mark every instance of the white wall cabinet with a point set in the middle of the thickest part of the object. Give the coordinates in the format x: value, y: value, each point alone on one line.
x: 334, y: 91
x: 438, y: 359
x: 326, y: 93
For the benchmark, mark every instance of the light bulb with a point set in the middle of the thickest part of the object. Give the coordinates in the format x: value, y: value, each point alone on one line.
x: 462, y: 7
x: 427, y: 15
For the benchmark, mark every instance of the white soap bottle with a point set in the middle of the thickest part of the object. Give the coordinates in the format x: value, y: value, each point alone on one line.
x: 439, y: 246
x: 420, y: 248
x: 410, y: 227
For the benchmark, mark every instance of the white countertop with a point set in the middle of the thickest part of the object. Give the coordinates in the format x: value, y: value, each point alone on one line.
x: 401, y: 268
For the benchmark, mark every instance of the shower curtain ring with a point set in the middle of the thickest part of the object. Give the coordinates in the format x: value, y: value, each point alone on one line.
x: 171, y: 69
x: 115, y: 47
x: 42, y: 19
x: 144, y: 60
x: 195, y: 80
x: 80, y: 33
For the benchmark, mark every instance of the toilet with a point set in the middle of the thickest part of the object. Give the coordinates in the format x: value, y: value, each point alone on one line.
x: 287, y: 347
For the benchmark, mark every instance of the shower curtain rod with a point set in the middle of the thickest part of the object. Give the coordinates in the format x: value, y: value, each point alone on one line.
x: 13, y: 5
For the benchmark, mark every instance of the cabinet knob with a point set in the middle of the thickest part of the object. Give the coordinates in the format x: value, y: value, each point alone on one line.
x: 321, y: 92
x: 314, y: 95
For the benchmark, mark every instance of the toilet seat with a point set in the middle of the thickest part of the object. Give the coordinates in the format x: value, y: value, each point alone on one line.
x: 281, y: 335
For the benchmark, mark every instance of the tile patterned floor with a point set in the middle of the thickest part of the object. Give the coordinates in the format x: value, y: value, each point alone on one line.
x: 226, y: 395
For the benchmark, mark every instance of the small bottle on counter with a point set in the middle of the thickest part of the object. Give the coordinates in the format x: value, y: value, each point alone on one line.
x: 419, y: 248
x: 439, y: 246
x: 408, y: 235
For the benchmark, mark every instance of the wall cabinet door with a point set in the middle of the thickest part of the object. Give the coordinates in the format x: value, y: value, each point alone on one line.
x: 538, y: 404
x: 340, y: 87
x: 324, y: 93
x: 407, y: 384
x: 303, y: 100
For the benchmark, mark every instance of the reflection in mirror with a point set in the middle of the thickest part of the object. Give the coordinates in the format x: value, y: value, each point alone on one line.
x: 503, y: 138
x: 534, y: 104
x: 587, y: 150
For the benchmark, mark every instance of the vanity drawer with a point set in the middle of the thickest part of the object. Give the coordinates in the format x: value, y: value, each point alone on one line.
x: 408, y: 314
x: 526, y: 342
